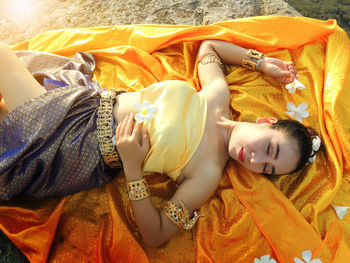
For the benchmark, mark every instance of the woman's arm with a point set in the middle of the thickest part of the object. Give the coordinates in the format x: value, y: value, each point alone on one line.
x: 154, y: 225
x: 211, y: 75
x: 17, y: 84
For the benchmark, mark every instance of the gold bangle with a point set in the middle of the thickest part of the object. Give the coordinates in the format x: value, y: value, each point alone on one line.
x: 212, y: 58
x: 180, y: 215
x: 255, y: 58
x: 137, y: 190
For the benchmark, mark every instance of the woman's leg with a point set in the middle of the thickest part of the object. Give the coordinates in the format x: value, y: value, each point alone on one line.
x: 17, y: 85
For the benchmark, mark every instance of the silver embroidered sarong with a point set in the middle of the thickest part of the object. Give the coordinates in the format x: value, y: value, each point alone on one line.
x: 49, y: 145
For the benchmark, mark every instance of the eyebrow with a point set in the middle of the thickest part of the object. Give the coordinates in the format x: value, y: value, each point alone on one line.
x: 276, y: 156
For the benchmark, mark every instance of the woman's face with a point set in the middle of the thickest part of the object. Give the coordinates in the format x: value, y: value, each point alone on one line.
x: 262, y: 149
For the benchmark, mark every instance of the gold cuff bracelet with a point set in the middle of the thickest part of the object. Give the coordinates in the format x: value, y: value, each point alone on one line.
x: 255, y: 58
x: 137, y: 190
x: 180, y: 215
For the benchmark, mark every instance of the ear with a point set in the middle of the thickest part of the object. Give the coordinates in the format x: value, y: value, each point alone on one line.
x: 266, y: 120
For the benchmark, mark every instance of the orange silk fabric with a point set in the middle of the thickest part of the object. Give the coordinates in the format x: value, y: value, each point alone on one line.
x: 249, y: 216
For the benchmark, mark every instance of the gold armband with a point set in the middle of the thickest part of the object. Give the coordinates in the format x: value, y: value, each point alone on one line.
x: 137, y: 190
x: 255, y: 58
x: 212, y: 58
x: 180, y: 215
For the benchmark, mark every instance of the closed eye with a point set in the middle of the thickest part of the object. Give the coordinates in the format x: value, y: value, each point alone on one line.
x: 265, y: 169
x: 268, y: 148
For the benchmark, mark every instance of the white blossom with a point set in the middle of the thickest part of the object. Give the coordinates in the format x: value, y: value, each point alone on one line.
x: 341, y: 210
x: 264, y: 259
x: 296, y: 84
x: 146, y: 111
x: 307, y: 258
x: 299, y: 112
x: 316, y: 143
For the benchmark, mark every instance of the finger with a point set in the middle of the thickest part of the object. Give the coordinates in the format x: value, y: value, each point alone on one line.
x: 288, y: 79
x: 145, y: 140
x: 292, y: 69
x: 129, y: 124
x: 117, y: 131
x: 123, y: 125
x: 136, y: 130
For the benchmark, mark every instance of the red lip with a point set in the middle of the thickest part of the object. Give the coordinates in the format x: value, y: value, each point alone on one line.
x: 241, y: 155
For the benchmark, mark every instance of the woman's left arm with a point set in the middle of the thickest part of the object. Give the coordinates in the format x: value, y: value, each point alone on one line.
x: 154, y: 225
x: 211, y: 73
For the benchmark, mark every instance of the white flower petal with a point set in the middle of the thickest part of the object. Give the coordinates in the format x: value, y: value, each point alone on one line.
x: 265, y: 259
x: 316, y: 143
x: 148, y: 117
x: 307, y: 255
x: 152, y: 108
x: 312, y: 159
x: 303, y: 106
x: 316, y: 260
x: 291, y: 106
x: 291, y: 113
x: 290, y: 87
x: 341, y: 210
x: 146, y: 104
x: 138, y: 106
x: 304, y: 113
x: 139, y: 117
x: 257, y: 260
x: 297, y: 260
x: 299, y: 85
x: 298, y: 118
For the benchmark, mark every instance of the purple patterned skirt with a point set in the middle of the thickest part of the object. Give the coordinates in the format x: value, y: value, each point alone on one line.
x: 49, y: 146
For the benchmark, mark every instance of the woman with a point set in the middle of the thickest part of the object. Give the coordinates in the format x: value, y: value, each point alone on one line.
x: 206, y: 138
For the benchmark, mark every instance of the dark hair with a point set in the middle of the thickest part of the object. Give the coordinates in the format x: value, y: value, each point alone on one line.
x: 302, y: 135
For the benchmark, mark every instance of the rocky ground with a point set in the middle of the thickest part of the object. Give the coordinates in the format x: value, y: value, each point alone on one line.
x: 22, y: 19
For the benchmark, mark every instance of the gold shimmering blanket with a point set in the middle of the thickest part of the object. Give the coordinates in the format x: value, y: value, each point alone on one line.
x: 294, y: 216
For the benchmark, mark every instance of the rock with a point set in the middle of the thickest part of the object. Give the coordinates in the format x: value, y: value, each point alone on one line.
x: 43, y: 15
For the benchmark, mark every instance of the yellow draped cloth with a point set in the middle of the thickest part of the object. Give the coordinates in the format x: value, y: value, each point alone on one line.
x: 177, y: 127
x: 249, y: 216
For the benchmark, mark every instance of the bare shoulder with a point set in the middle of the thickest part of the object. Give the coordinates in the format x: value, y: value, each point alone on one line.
x: 217, y: 94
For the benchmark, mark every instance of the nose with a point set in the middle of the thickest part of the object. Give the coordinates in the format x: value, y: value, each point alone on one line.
x: 258, y: 158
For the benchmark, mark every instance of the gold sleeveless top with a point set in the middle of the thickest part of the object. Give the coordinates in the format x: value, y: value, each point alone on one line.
x: 177, y: 128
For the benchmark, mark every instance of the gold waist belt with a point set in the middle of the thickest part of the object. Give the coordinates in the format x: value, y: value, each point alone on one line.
x: 105, y: 129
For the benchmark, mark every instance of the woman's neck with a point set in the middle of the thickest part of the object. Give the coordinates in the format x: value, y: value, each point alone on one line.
x: 226, y: 127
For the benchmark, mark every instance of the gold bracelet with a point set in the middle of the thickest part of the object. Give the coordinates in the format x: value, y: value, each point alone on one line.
x: 137, y: 190
x: 255, y: 58
x: 212, y: 58
x: 180, y: 215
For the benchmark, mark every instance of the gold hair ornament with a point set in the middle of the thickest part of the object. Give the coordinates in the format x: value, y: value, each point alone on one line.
x: 137, y: 190
x: 212, y: 58
x: 180, y: 215
x: 255, y: 58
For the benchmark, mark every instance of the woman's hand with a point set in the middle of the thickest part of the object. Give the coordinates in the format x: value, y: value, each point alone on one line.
x: 132, y: 152
x: 279, y: 70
